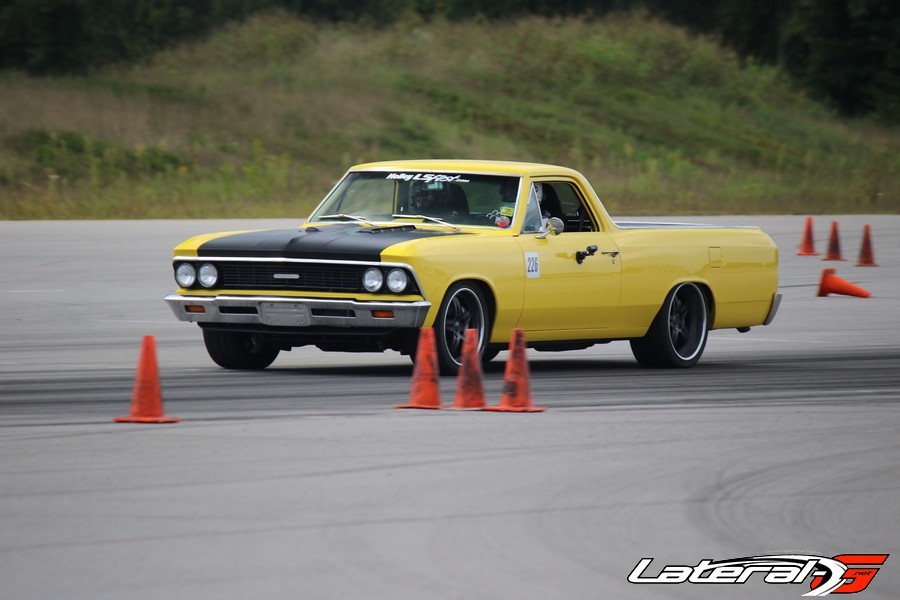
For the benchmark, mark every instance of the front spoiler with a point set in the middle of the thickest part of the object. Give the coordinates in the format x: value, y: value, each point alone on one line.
x: 297, y: 312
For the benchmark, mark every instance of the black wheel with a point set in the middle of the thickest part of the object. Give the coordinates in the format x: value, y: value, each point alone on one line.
x: 233, y: 350
x: 464, y: 307
x: 677, y: 336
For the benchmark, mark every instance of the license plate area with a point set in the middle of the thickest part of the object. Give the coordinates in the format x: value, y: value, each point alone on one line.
x: 284, y: 314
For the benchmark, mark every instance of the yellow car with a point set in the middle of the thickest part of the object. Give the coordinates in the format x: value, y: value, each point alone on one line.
x: 459, y: 244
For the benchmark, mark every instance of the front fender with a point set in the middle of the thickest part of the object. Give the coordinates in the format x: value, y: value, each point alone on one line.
x: 495, y: 262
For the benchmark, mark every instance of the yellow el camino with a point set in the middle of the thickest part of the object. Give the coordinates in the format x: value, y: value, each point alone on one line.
x: 460, y: 244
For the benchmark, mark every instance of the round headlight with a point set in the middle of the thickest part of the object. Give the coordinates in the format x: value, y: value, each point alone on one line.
x: 397, y: 280
x: 208, y: 275
x: 372, y: 279
x: 185, y: 275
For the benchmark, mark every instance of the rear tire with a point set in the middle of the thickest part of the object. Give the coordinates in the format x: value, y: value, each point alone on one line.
x: 243, y: 351
x: 679, y: 331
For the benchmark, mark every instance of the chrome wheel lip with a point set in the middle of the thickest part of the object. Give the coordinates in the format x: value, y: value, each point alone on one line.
x: 684, y: 328
x: 464, y: 311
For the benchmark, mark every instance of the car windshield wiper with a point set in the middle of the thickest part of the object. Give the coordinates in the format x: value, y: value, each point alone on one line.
x: 437, y: 220
x: 355, y: 218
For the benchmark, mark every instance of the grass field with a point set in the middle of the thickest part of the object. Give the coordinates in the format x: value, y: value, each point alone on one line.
x: 261, y: 118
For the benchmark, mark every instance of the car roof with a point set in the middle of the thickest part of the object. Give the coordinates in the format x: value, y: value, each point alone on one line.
x: 468, y: 166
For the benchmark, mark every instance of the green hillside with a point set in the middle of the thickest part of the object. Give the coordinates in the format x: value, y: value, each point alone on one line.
x: 261, y: 118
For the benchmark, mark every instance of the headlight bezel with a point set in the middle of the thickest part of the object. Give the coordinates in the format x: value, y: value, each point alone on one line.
x: 185, y: 274
x: 207, y: 267
x: 393, y: 277
x: 372, y: 279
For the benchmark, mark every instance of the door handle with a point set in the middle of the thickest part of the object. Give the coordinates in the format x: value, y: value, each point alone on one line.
x: 581, y: 255
x: 613, y: 253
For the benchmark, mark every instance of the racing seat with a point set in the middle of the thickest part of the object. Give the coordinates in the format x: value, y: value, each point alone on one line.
x: 459, y: 204
x: 550, y: 204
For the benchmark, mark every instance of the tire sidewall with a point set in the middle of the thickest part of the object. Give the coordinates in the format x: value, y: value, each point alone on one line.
x: 467, y: 291
x: 234, y: 350
x: 673, y: 357
x: 656, y: 349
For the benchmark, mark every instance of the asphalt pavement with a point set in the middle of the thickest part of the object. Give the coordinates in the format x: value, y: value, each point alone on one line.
x: 303, y: 481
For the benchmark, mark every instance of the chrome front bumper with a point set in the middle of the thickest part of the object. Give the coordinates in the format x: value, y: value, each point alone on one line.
x: 296, y: 312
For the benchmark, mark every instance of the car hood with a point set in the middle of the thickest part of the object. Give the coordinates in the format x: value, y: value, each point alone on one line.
x: 332, y: 242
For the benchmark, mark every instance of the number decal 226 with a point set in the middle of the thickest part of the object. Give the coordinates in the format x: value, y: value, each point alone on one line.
x: 532, y: 265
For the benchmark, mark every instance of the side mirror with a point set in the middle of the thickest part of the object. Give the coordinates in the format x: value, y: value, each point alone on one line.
x: 555, y: 226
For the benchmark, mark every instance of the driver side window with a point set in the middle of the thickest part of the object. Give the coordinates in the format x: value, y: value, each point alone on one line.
x: 562, y: 199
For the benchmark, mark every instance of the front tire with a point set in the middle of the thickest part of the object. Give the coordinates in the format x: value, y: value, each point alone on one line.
x: 243, y: 351
x: 678, y: 334
x: 464, y: 307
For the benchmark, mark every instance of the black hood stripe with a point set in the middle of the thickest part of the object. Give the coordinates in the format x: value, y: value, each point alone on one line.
x: 333, y: 242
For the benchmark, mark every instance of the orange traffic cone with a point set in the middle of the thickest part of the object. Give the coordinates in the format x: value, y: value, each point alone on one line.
x: 834, y: 244
x: 470, y: 382
x: 516, y: 395
x: 146, y: 399
x: 832, y: 284
x: 866, y: 257
x: 424, y: 391
x: 807, y: 247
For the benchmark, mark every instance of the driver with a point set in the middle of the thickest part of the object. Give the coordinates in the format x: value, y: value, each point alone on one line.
x: 432, y: 199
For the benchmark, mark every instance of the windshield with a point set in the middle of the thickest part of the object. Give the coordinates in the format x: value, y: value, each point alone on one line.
x: 452, y: 199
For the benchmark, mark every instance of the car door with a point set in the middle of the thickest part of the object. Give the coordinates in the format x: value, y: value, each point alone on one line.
x: 568, y: 286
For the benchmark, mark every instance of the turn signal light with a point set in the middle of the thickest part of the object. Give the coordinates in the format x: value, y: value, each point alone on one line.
x: 194, y: 308
x: 382, y: 314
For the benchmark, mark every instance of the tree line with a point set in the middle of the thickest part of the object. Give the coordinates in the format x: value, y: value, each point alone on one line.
x: 845, y: 52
